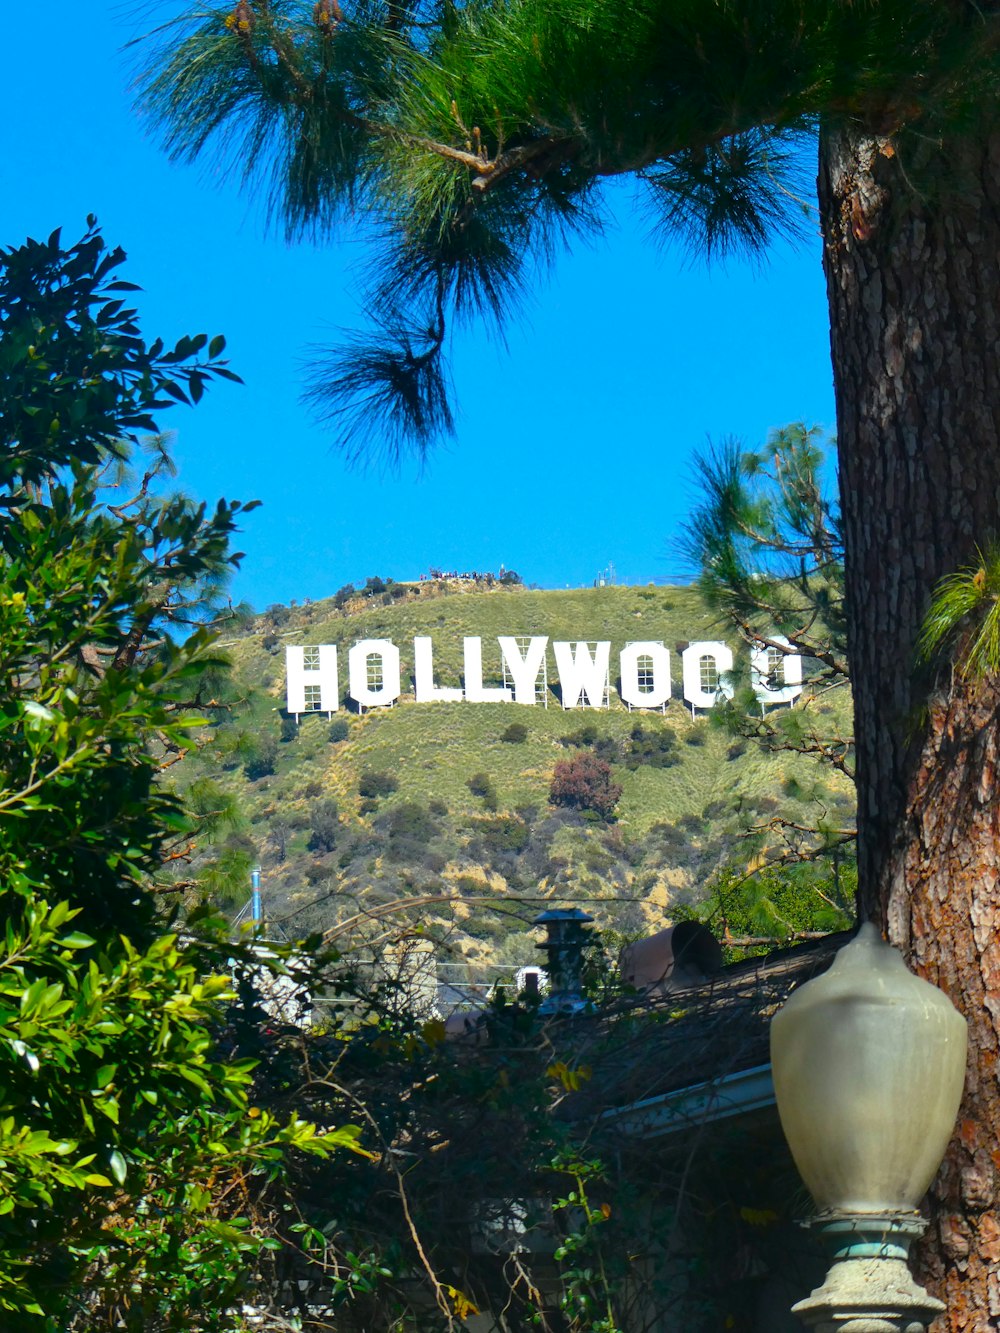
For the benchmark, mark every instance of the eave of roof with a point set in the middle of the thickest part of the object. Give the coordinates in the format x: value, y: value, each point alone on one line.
x: 702, y: 1103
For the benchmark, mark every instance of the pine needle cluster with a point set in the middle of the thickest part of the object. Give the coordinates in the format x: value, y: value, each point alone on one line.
x: 476, y: 138
x: 766, y: 542
x: 964, y: 619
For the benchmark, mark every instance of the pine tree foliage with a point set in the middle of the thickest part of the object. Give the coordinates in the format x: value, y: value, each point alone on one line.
x: 765, y: 541
x: 792, y: 902
x: 476, y: 138
x: 963, y: 621
x: 766, y: 544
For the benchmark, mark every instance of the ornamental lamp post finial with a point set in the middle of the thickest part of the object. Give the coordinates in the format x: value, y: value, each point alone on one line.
x: 869, y: 1064
x: 566, y: 938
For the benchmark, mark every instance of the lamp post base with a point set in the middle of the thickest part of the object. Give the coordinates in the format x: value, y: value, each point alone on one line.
x: 869, y: 1288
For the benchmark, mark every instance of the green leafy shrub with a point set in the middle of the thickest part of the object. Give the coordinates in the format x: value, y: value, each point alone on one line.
x: 324, y: 819
x: 668, y: 836
x: 693, y: 824
x: 515, y: 734
x: 409, y: 828
x: 373, y: 785
x: 411, y: 820
x: 588, y: 734
x: 653, y: 748
x: 481, y: 785
x: 121, y: 1117
x: 598, y: 860
x: 503, y: 836
x: 262, y: 758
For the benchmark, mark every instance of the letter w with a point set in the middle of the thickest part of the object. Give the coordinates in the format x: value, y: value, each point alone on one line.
x: 580, y: 673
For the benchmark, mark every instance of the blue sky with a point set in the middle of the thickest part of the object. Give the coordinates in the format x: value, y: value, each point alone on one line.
x: 574, y: 444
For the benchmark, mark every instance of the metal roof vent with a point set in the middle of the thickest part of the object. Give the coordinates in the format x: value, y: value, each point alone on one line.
x: 566, y: 938
x: 673, y: 959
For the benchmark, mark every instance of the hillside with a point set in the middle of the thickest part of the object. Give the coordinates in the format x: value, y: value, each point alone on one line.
x: 431, y: 800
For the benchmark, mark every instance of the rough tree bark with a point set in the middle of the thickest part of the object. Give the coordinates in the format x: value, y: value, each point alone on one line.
x: 914, y: 289
x: 952, y: 868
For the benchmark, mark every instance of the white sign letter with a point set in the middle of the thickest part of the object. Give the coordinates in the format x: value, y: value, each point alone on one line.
x: 770, y: 667
x: 475, y: 691
x: 580, y: 674
x: 425, y: 691
x: 704, y: 666
x: 651, y: 689
x: 374, y: 684
x: 311, y: 682
x: 523, y: 670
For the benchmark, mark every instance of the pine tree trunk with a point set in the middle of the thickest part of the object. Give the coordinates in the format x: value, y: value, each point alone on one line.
x: 914, y: 289
x: 952, y: 868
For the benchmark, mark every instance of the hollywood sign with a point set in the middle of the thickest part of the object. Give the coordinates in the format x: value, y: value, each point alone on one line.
x: 374, y: 674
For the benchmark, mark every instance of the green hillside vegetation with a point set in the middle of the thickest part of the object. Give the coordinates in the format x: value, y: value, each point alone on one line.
x: 452, y: 800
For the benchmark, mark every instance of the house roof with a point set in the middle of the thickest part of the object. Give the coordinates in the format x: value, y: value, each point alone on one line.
x: 704, y: 1049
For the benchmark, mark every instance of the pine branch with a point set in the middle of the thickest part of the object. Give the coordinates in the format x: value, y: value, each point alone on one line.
x: 797, y: 641
x: 781, y: 823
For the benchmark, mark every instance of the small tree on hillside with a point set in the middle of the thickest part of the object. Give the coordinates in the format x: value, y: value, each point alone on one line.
x: 373, y: 784
x: 261, y: 758
x: 585, y: 782
x: 515, y: 734
x: 325, y: 821
x: 480, y: 784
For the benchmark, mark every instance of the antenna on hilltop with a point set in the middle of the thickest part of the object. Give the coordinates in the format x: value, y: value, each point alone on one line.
x: 252, y: 911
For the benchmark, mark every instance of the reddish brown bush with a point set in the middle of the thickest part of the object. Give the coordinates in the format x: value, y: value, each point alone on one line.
x: 584, y: 781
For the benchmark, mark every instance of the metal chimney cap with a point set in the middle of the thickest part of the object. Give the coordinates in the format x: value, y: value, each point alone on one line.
x: 562, y: 914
